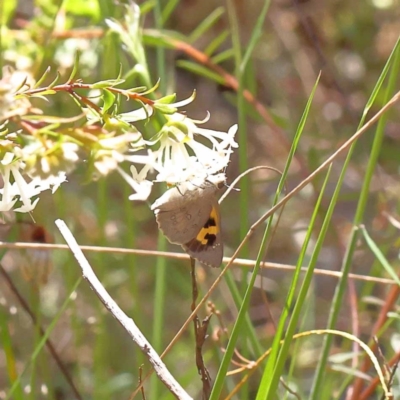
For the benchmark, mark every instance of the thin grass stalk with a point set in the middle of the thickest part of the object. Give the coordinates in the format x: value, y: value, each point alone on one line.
x: 309, y: 305
x: 347, y: 261
x: 160, y: 51
x: 158, y: 310
x: 47, y: 50
x: 42, y: 342
x: 100, y: 355
x: 34, y: 301
x: 169, y: 9
x: 379, y: 255
x: 61, y: 209
x: 206, y: 24
x: 248, y: 329
x: 272, y: 383
x: 161, y: 267
x: 242, y: 130
x: 134, y: 262
x: 372, y: 162
x: 9, y: 354
x: 268, y: 371
x: 110, y: 67
x: 243, y: 166
x: 244, y: 307
x: 238, y: 326
x: 241, y: 65
x: 6, y: 341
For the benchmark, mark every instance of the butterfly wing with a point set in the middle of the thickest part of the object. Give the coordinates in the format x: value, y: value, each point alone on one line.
x: 180, y: 218
x: 207, y: 246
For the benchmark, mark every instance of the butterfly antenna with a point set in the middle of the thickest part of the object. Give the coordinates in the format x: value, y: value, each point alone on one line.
x: 234, y: 188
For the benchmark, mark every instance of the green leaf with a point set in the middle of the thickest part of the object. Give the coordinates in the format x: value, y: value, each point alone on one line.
x: 379, y: 255
x: 256, y: 34
x: 200, y: 70
x: 107, y: 83
x: 166, y: 99
x: 42, y: 78
x: 168, y: 9
x: 214, y: 45
x: 75, y: 68
x: 164, y: 38
x: 109, y: 99
x: 165, y: 109
x: 88, y: 8
x: 206, y: 24
x: 44, y: 93
x: 223, y: 56
x: 52, y: 84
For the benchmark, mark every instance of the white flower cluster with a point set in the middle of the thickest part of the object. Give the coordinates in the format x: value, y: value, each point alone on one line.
x: 180, y: 156
x: 20, y: 185
x: 21, y: 191
x: 179, y: 152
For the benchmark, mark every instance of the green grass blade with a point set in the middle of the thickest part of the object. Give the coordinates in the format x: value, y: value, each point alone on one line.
x: 243, y: 309
x: 9, y: 355
x: 222, y: 57
x: 347, y: 261
x: 160, y: 51
x: 42, y: 342
x: 256, y: 34
x: 169, y: 9
x: 241, y: 70
x: 379, y: 255
x: 216, y: 43
x: 273, y: 380
x: 244, y: 77
x: 161, y: 267
x: 159, y: 309
x: 268, y: 375
x: 206, y: 24
x: 250, y: 331
x: 200, y: 70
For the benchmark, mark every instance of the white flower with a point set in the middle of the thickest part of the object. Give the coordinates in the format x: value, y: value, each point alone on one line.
x: 52, y: 182
x: 176, y: 156
x: 47, y: 158
x: 7, y: 201
x: 21, y: 190
x: 11, y: 191
x: 181, y: 157
x: 140, y: 114
x: 9, y: 84
x: 112, y: 151
x: 141, y: 186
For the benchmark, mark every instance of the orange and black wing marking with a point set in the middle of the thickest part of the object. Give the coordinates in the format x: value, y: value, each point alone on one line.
x: 207, y: 246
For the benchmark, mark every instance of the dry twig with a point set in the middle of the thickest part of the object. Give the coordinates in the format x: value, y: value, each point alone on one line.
x: 127, y: 323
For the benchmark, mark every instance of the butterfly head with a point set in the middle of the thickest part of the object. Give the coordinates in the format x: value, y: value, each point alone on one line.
x: 217, y: 180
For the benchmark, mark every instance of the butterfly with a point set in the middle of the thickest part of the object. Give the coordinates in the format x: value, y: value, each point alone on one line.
x: 189, y: 215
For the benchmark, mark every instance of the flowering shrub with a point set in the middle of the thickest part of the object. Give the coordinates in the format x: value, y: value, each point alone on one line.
x: 38, y: 152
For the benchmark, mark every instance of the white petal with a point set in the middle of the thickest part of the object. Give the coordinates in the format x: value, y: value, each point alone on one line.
x: 8, y: 158
x: 142, y: 189
x: 27, y: 207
